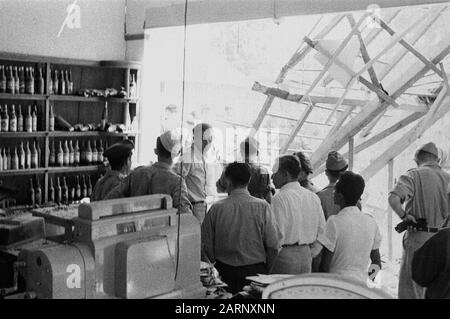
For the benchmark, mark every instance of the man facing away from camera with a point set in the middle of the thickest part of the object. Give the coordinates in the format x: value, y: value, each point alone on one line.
x: 352, y: 237
x: 299, y: 217
x: 239, y: 233
x: 158, y: 178
x: 424, y: 190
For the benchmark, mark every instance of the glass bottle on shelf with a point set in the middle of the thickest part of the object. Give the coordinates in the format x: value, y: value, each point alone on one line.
x: 58, y: 192
x: 40, y: 82
x: 132, y: 86
x: 28, y: 156
x: 10, y: 85
x: 2, y: 79
x: 76, y: 154
x: 70, y: 84
x: 29, y: 81
x: 50, y: 84
x: 66, y: 156
x: 65, y: 191
x: 78, y: 188
x: 55, y: 82
x: 62, y: 84
x: 66, y: 81
x: 21, y: 80
x: 71, y: 154
x: 94, y: 152
x: 38, y: 193
x: 39, y: 154
x: 14, y: 159
x: 72, y: 198
x: 60, y: 155
x: 88, y: 153
x: 5, y: 119
x: 52, y: 156
x: 13, y: 120
x: 19, y: 118
x: 83, y: 187
x: 51, y: 119
x: 100, y: 151
x: 22, y: 160
x: 1, y: 159
x: 5, y: 159
x: 8, y: 158
x: 104, y: 120
x: 89, y: 186
x: 34, y: 156
x: 51, y: 191
x: 16, y: 80
x: 28, y: 121
x: 32, y: 198
x: 34, y: 119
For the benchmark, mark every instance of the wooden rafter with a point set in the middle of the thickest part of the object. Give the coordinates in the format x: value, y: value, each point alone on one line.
x: 378, y: 137
x: 433, y: 15
x: 398, y: 85
x: 296, y: 58
x: 439, y: 108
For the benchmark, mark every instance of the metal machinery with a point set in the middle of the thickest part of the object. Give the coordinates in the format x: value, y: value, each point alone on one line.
x: 122, y: 248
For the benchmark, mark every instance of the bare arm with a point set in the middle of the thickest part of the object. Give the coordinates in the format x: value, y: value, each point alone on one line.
x: 396, y: 205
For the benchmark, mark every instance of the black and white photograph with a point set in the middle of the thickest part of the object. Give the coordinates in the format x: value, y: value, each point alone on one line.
x: 221, y: 154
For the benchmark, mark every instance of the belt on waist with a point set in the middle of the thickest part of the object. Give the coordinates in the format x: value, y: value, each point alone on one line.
x: 198, y: 202
x: 294, y: 244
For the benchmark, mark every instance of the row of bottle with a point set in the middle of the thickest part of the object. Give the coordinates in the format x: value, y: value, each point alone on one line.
x: 70, y: 154
x: 12, y: 122
x: 61, y: 84
x: 61, y: 193
x: 21, y: 80
x: 22, y: 157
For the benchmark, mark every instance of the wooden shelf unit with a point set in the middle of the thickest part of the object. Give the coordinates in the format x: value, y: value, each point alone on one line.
x: 85, y: 75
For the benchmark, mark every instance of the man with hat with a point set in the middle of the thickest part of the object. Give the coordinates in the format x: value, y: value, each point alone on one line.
x: 335, y: 165
x: 119, y: 158
x: 158, y: 178
x: 259, y: 185
x: 423, y: 190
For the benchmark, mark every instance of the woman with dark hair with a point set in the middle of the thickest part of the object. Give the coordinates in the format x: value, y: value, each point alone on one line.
x: 306, y: 170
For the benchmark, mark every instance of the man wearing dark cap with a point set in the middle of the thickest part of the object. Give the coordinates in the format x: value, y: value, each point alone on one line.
x: 306, y: 170
x: 352, y: 237
x: 423, y: 190
x: 259, y: 185
x: 158, y: 178
x: 335, y: 165
x: 239, y: 233
x: 119, y: 158
x: 199, y: 166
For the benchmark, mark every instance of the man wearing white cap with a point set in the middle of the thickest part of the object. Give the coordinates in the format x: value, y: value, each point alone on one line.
x: 335, y: 165
x: 158, y: 178
x: 424, y: 192
x: 119, y: 158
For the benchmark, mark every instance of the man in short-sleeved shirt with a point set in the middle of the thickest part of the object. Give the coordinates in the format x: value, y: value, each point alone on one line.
x: 423, y: 190
x: 351, y: 237
x: 239, y: 232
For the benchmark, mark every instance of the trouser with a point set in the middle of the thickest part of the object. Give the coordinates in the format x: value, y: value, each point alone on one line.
x: 199, y: 210
x: 234, y: 276
x: 293, y: 259
x: 407, y: 287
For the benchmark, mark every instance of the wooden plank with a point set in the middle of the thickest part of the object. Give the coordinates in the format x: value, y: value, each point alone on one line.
x: 376, y: 138
x: 389, y: 217
x: 445, y: 77
x: 297, y: 57
x: 351, y: 148
x: 398, y: 85
x: 318, y: 78
x: 439, y: 108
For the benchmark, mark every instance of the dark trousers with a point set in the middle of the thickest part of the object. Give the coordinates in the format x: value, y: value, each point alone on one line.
x: 234, y: 276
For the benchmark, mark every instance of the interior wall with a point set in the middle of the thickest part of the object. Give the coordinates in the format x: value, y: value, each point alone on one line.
x: 32, y: 27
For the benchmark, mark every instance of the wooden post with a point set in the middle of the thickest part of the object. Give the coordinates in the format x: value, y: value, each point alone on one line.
x: 389, y: 222
x: 351, y: 147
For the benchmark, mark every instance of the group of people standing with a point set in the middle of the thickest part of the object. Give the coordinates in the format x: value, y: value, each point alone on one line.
x: 280, y: 223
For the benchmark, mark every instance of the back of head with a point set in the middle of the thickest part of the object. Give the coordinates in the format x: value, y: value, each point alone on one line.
x: 168, y: 144
x: 351, y: 186
x: 118, y: 154
x: 335, y: 165
x: 426, y: 153
x: 238, y: 174
x: 289, y: 164
x: 305, y: 163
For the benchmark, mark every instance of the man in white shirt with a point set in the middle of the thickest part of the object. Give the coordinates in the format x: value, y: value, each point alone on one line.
x: 299, y: 217
x: 352, y: 238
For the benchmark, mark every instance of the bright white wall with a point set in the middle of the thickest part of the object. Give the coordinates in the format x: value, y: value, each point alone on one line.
x: 32, y: 26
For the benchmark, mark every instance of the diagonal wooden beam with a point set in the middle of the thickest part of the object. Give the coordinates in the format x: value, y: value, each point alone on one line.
x: 439, y: 108
x: 446, y: 83
x: 296, y: 58
x: 398, y: 85
x: 376, y: 138
x: 318, y: 78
